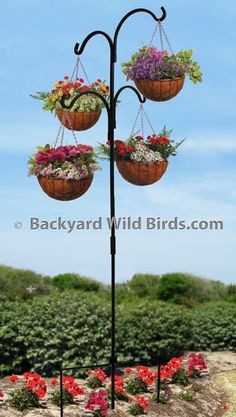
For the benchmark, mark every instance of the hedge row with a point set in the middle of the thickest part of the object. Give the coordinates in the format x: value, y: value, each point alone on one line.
x: 75, y: 329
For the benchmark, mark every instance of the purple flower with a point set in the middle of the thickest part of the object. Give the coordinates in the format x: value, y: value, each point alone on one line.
x: 152, y: 64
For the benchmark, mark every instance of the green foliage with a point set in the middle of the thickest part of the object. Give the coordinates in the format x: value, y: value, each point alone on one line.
x: 67, y: 398
x: 173, y: 287
x: 189, y: 290
x: 86, y: 103
x: 143, y: 284
x: 131, y: 144
x: 45, y: 96
x: 162, y: 398
x: 183, y: 58
x: 181, y: 377
x: 214, y: 327
x: 94, y: 382
x: 136, y: 386
x: 23, y: 399
x: 194, y: 73
x: 39, y: 334
x: 73, y: 325
x: 231, y: 293
x: 75, y: 282
x: 150, y: 329
x: 186, y: 396
x: 14, y: 283
x: 75, y: 328
x: 119, y: 396
x: 136, y: 409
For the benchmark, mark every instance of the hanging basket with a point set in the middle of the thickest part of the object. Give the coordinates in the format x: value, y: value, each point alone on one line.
x: 139, y: 173
x: 160, y: 90
x: 78, y: 120
x: 65, y: 190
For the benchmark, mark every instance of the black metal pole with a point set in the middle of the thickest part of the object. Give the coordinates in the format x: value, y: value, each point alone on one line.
x: 113, y: 230
x: 159, y: 380
x: 61, y: 392
x: 111, y: 110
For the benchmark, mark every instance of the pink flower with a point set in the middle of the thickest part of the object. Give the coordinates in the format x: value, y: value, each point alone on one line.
x: 72, y: 152
x: 63, y: 175
x: 1, y: 394
x: 59, y: 154
x: 43, y: 158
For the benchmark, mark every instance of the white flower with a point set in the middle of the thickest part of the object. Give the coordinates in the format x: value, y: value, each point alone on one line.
x: 69, y: 171
x: 143, y: 154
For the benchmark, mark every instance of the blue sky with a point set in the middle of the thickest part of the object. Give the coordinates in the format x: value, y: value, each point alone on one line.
x: 36, y: 49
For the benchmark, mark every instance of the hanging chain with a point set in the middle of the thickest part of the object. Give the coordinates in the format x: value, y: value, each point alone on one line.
x: 135, y: 122
x: 85, y: 73
x: 76, y: 70
x: 60, y: 136
x: 163, y: 33
x: 142, y: 113
x: 67, y: 119
x: 74, y: 136
x: 161, y: 36
x: 142, y: 122
x: 153, y: 35
x: 148, y: 120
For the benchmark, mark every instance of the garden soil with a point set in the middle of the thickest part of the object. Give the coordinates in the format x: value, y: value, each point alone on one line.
x: 213, y: 396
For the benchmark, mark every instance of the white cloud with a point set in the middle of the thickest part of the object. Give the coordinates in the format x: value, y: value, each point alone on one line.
x: 215, y: 144
x: 208, y: 196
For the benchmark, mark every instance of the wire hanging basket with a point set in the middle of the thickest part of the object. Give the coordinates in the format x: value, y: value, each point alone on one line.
x: 160, y: 90
x: 56, y: 187
x: 65, y: 190
x: 163, y: 88
x: 141, y: 173
x: 78, y: 120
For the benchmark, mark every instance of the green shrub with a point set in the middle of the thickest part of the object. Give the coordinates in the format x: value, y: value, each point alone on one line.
x: 189, y: 290
x: 214, y: 327
x: 143, y: 285
x: 151, y: 329
x: 75, y: 282
x: 181, y: 377
x: 136, y: 386
x: 173, y: 287
x: 186, y: 396
x: 67, y: 398
x: 39, y: 334
x: 23, y: 399
x: 75, y: 328
x: 14, y: 283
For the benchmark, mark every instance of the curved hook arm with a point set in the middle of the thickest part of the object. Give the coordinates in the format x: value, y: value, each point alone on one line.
x: 78, y: 50
x: 141, y: 99
x: 77, y: 97
x: 157, y: 19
